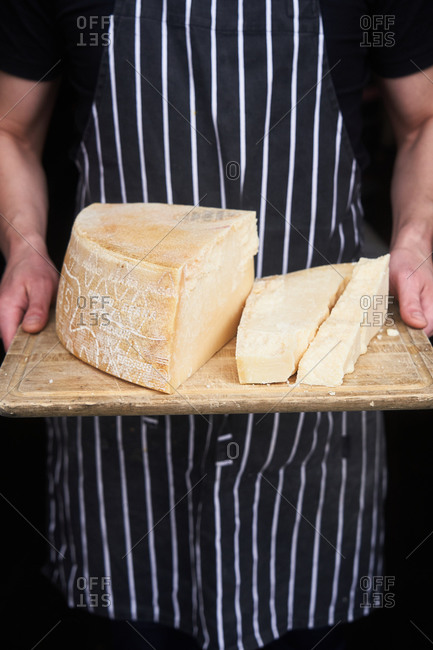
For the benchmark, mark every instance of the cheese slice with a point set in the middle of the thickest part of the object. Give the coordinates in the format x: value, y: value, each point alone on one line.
x: 149, y: 292
x: 281, y: 317
x: 357, y: 316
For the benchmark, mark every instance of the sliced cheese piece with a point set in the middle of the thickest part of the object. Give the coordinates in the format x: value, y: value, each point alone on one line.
x: 281, y: 317
x: 357, y: 316
x: 149, y: 292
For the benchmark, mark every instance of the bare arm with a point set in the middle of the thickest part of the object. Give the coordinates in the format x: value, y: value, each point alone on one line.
x: 30, y: 279
x: 410, y: 105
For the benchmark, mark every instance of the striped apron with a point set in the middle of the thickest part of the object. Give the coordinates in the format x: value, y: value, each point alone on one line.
x: 234, y: 528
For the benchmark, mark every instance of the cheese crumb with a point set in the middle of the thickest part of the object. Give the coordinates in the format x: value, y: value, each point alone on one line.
x: 371, y: 403
x: 332, y: 392
x: 51, y: 381
x: 392, y: 332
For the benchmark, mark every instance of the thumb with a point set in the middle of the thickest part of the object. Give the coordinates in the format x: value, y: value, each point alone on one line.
x: 409, y: 299
x: 36, y: 316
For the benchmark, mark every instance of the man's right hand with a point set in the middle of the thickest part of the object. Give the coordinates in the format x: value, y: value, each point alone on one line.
x: 30, y: 279
x: 28, y: 287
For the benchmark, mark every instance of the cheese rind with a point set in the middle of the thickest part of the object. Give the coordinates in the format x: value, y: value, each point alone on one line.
x: 357, y: 316
x: 149, y: 292
x: 281, y: 317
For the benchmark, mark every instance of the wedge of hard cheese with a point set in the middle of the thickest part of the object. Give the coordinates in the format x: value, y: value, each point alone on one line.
x: 281, y: 317
x: 149, y: 292
x: 357, y: 316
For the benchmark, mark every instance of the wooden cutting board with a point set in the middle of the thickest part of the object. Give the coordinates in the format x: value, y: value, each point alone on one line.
x: 39, y: 378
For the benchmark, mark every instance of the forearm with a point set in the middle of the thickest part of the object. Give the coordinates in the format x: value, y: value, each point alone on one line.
x: 412, y: 192
x: 411, y: 268
x: 23, y: 197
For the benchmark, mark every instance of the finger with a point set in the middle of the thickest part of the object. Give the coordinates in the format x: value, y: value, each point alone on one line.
x: 10, y: 319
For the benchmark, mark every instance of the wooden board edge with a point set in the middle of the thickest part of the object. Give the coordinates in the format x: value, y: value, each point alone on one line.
x: 382, y: 402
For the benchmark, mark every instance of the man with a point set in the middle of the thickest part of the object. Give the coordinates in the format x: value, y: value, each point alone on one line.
x: 235, y: 552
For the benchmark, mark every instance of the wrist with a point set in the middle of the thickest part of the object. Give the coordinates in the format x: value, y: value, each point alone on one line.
x: 22, y: 230
x: 416, y: 234
x: 22, y: 245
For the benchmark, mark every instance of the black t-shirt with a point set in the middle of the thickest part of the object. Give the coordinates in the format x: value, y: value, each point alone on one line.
x: 391, y: 38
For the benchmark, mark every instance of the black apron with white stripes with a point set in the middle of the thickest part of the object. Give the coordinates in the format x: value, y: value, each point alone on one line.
x: 234, y: 528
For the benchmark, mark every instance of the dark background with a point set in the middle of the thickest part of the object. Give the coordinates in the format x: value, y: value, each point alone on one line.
x: 31, y: 608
